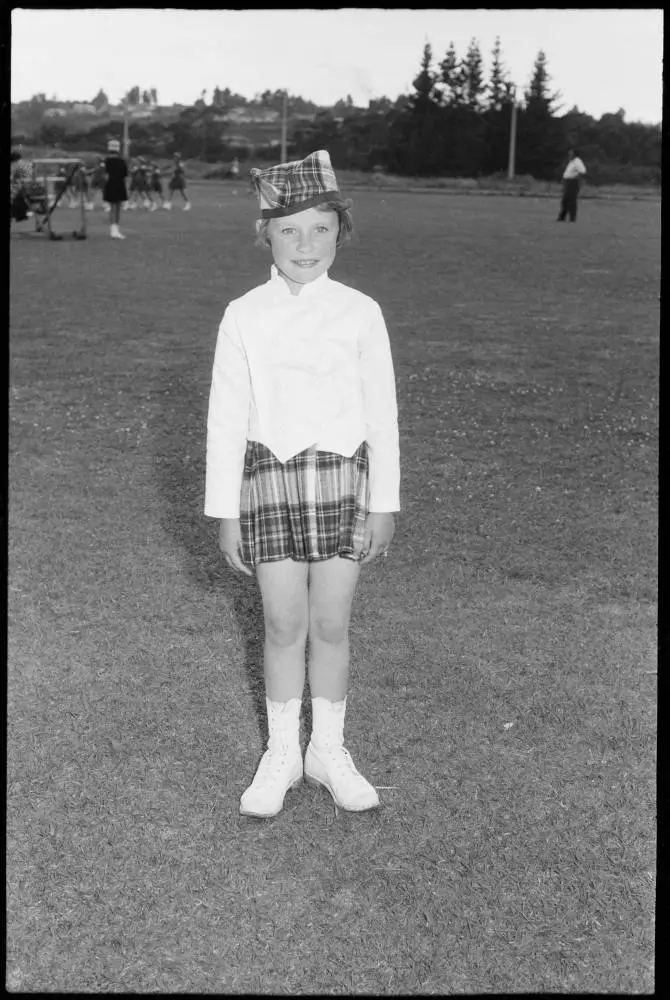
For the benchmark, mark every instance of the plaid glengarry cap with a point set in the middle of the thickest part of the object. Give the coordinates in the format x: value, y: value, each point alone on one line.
x: 292, y: 187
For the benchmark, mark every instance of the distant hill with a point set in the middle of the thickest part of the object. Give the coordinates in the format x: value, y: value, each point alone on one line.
x: 248, y: 120
x: 244, y: 126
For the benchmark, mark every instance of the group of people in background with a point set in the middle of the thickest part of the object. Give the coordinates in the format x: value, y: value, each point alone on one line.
x: 123, y: 185
x: 139, y: 184
x: 146, y: 182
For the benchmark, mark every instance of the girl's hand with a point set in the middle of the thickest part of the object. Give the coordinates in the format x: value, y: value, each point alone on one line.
x: 230, y: 543
x: 379, y: 530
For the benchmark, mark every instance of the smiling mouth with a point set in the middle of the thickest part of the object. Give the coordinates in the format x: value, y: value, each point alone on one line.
x: 305, y: 263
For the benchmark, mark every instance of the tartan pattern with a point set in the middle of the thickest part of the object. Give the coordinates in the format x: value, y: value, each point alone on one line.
x: 291, y: 187
x: 311, y: 508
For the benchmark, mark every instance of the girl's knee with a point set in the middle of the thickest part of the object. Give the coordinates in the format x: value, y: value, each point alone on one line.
x: 285, y: 629
x: 328, y: 628
x: 284, y: 592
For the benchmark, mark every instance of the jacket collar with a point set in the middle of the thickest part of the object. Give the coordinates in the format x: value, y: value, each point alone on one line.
x: 309, y: 289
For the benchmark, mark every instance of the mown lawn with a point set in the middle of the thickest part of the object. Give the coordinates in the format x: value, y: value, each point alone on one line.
x: 504, y: 657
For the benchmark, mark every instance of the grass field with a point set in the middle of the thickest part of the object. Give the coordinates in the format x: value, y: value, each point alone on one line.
x: 355, y: 180
x: 503, y: 657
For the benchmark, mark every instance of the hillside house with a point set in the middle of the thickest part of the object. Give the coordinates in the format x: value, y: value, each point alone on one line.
x: 248, y: 116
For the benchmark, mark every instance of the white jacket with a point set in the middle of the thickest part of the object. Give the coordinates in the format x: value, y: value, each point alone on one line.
x: 292, y: 371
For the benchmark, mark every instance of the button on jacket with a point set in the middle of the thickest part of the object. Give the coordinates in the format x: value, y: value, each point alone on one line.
x: 291, y: 371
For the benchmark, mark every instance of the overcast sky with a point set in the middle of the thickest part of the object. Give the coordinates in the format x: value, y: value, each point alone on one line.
x: 600, y: 60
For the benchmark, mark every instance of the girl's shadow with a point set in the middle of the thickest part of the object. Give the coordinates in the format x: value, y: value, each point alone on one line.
x: 179, y: 464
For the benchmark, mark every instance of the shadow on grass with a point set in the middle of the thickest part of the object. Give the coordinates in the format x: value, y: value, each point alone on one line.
x: 179, y: 472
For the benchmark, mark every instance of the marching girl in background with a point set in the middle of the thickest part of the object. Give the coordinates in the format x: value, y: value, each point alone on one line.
x: 155, y: 185
x: 143, y: 172
x: 61, y: 185
x: 139, y: 185
x: 303, y: 470
x: 114, y: 191
x: 98, y: 175
x: 71, y: 187
x: 131, y: 204
x: 80, y: 188
x: 177, y: 183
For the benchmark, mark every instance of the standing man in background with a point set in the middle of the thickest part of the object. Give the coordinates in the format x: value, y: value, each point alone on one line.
x: 571, y: 176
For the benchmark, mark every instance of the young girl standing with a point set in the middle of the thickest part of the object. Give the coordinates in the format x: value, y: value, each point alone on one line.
x: 155, y: 185
x: 114, y: 191
x: 303, y: 470
x: 80, y: 188
x: 98, y: 180
x: 177, y: 183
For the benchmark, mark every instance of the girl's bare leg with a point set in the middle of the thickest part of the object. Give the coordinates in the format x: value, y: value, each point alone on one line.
x: 332, y: 584
x: 283, y: 588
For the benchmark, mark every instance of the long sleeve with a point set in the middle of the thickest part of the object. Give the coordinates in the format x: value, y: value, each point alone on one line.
x: 227, y: 422
x: 381, y: 415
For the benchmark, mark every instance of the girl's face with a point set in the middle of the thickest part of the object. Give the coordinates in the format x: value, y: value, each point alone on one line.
x: 304, y: 245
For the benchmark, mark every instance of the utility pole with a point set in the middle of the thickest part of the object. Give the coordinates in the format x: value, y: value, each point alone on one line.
x: 284, y: 154
x: 511, y: 162
x: 126, y: 140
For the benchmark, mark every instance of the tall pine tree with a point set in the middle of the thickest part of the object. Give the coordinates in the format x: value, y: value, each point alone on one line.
x: 538, y: 98
x: 496, y: 86
x: 540, y: 141
x: 473, y: 76
x: 453, y: 78
x: 500, y: 95
x: 426, y: 94
x: 416, y: 131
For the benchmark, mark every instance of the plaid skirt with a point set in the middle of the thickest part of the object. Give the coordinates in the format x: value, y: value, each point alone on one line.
x: 311, y: 508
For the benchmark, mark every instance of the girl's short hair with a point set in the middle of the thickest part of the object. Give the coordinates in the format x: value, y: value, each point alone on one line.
x: 341, y: 206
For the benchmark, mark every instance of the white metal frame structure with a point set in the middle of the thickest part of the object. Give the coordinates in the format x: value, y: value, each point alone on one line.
x: 41, y: 173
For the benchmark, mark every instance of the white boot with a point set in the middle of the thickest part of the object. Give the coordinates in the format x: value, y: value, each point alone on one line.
x: 281, y: 764
x: 115, y: 232
x: 167, y: 206
x: 327, y: 762
x: 187, y: 206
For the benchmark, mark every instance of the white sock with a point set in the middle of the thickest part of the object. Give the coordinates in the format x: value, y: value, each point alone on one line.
x: 328, y: 722
x: 284, y: 721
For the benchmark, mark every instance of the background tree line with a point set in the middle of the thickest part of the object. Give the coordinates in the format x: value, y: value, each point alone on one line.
x: 455, y: 122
